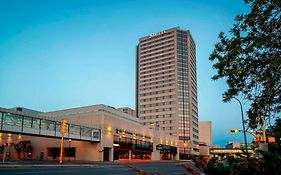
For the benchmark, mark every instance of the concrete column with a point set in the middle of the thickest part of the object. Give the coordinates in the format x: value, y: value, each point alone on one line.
x: 155, y: 155
x: 130, y: 154
x: 177, y: 157
x: 111, y: 152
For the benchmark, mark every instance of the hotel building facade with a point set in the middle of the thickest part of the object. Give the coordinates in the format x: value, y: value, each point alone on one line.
x: 166, y: 86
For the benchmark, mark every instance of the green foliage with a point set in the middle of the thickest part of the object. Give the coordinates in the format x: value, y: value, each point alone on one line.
x: 269, y: 163
x: 264, y: 163
x: 214, y: 167
x: 250, y: 59
x: 200, y: 161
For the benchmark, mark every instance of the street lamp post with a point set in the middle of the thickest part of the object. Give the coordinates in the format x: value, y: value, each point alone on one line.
x: 243, y: 122
x: 69, y: 146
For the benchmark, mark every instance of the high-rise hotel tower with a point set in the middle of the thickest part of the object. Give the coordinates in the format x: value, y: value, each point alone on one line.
x: 166, y: 85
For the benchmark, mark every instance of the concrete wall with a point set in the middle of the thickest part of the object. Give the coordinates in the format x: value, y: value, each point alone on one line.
x: 86, y: 151
x: 205, y: 132
x: 108, y: 120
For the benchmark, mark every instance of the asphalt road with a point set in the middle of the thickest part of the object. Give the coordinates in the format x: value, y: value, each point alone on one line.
x: 151, y: 168
x: 162, y: 168
x: 93, y: 170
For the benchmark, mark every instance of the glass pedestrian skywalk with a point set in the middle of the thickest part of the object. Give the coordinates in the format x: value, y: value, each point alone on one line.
x: 30, y: 125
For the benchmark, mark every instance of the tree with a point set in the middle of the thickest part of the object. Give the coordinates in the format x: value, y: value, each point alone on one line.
x: 249, y: 57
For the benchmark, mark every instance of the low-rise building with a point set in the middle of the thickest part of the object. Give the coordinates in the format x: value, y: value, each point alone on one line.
x: 205, y: 137
x: 93, y: 133
x: 128, y: 111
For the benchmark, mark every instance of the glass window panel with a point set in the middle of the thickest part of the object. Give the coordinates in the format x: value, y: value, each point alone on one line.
x: 1, y: 117
x: 74, y: 129
x: 47, y: 125
x: 96, y: 134
x: 36, y: 123
x: 58, y: 126
x: 86, y: 132
x: 27, y: 122
x: 11, y: 119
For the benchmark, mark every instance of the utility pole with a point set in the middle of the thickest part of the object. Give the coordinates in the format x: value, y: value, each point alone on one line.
x: 243, y: 123
x: 63, y: 130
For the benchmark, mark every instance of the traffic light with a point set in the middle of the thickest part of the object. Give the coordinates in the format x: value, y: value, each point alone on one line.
x: 232, y: 131
x: 63, y: 126
x: 262, y: 140
x: 257, y: 137
x: 271, y: 139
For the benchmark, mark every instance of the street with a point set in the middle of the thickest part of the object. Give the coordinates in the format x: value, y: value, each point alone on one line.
x: 160, y: 168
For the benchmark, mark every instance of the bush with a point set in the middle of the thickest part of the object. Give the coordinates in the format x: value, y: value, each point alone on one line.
x: 269, y: 163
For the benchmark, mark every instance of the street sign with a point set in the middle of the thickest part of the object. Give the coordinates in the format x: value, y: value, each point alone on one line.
x: 159, y: 147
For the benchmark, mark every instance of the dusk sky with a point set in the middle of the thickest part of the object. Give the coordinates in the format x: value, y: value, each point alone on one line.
x: 57, y: 54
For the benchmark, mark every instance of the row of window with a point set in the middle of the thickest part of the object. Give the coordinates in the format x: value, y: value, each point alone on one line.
x: 155, y: 48
x: 182, y: 50
x: 194, y: 106
x: 184, y: 118
x: 195, y: 136
x: 182, y: 34
x: 195, y: 142
x: 157, y: 61
x: 182, y: 67
x: 157, y: 92
x: 158, y: 104
x: 156, y: 57
x: 183, y: 100
x: 195, y: 118
x: 157, y: 87
x: 157, y: 82
x: 183, y: 82
x: 181, y: 87
x: 181, y: 44
x: 158, y: 65
x: 184, y: 128
x: 194, y: 112
x: 159, y: 73
x: 152, y: 40
x: 158, y: 116
x: 195, y: 124
x: 182, y: 77
x: 195, y: 130
x: 182, y: 57
x: 162, y: 52
x: 156, y: 70
x: 157, y: 110
x: 186, y: 122
x: 157, y: 98
x: 158, y: 78
x: 185, y: 138
x: 158, y: 122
